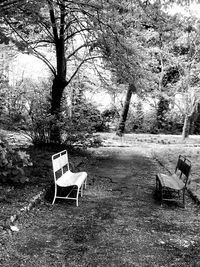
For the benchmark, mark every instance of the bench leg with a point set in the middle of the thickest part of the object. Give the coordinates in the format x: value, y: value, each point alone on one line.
x: 183, y: 198
x: 81, y: 190
x: 55, y: 193
x: 161, y: 196
x: 159, y: 189
x: 77, y: 194
x: 157, y: 184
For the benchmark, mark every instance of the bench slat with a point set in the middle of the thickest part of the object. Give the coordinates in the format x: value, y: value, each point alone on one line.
x: 56, y: 164
x: 63, y: 160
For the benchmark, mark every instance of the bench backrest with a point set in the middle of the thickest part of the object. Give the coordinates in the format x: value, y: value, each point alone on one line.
x: 60, y: 163
x: 183, y: 167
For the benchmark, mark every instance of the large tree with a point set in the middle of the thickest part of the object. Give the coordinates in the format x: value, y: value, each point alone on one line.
x: 121, y: 44
x: 173, y: 43
x: 187, y: 51
x: 61, y: 27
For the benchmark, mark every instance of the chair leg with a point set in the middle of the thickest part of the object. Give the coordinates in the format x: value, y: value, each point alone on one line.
x: 55, y: 193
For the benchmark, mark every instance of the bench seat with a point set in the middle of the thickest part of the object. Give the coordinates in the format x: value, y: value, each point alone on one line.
x: 171, y: 181
x: 69, y: 179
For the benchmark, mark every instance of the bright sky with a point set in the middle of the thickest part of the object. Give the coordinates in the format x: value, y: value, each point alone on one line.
x: 193, y: 9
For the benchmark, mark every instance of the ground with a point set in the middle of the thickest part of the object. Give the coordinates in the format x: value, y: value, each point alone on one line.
x: 119, y: 221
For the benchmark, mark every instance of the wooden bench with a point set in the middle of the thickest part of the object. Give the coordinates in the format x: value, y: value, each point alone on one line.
x: 64, y: 178
x: 170, y: 186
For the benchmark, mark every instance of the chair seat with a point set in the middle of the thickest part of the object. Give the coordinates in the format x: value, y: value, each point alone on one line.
x: 171, y: 181
x: 69, y: 179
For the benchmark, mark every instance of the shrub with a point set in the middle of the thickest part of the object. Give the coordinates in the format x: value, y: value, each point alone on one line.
x: 135, y: 119
x: 79, y: 128
x: 150, y: 122
x: 12, y: 163
x: 110, y: 118
x: 86, y: 117
x: 174, y: 123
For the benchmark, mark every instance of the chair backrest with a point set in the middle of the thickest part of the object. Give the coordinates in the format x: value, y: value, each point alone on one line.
x: 60, y: 163
x: 184, y: 167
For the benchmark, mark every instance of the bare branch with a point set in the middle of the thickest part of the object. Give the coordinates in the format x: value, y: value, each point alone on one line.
x: 75, y: 51
x: 79, y: 66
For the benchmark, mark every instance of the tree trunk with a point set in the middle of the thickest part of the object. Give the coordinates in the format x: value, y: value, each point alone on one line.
x: 186, y: 127
x: 58, y: 87
x: 121, y: 127
x: 59, y: 82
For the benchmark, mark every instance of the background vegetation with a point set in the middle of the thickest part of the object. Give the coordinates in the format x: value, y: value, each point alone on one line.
x: 145, y: 57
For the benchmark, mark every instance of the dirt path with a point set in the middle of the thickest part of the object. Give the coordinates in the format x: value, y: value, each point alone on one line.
x: 118, y: 222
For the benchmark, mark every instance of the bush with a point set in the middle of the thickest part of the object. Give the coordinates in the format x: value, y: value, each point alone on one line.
x: 150, y: 122
x: 135, y: 119
x: 174, y: 123
x: 27, y: 108
x: 83, y: 139
x: 170, y: 123
x: 79, y: 128
x: 12, y: 163
x: 110, y: 118
x: 86, y: 117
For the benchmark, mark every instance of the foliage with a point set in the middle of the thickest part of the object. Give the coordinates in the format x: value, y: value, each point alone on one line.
x: 173, y: 122
x: 173, y: 43
x: 110, y: 117
x: 40, y: 121
x: 12, y: 163
x: 140, y: 122
x: 27, y: 108
x: 143, y: 47
x: 135, y: 119
x: 195, y: 121
x: 39, y: 27
x: 162, y: 109
x: 87, y: 118
x: 79, y: 128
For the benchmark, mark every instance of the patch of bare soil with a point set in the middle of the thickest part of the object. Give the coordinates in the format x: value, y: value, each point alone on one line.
x: 119, y: 222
